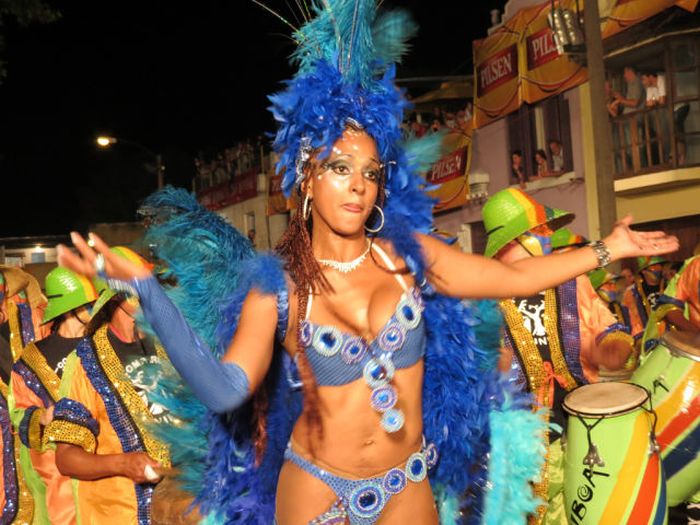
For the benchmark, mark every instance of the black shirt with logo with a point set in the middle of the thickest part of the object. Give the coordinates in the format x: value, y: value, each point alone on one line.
x: 142, y: 366
x: 55, y: 349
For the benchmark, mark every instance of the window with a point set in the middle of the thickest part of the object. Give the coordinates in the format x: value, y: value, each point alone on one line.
x: 541, y: 135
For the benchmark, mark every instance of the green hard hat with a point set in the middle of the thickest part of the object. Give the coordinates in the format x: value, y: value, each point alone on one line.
x: 601, y: 276
x: 512, y: 212
x: 66, y: 290
x: 105, y: 292
x: 564, y: 237
x: 646, y: 261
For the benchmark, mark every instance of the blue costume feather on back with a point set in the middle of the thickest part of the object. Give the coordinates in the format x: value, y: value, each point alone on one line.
x: 346, y: 62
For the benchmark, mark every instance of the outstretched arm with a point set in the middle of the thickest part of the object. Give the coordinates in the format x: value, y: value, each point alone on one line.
x: 464, y: 275
x: 221, y: 385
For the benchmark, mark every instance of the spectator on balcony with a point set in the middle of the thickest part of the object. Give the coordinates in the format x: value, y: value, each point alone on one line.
x: 632, y: 101
x: 541, y: 168
x: 436, y: 125
x: 517, y: 170
x: 556, y: 152
x: 655, y: 86
x: 634, y: 91
x: 450, y: 120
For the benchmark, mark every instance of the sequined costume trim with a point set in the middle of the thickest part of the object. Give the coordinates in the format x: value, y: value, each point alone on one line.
x: 45, y: 382
x: 19, y: 506
x: 107, y: 376
x: 125, y: 409
x: 567, y: 327
x: 13, y: 319
x: 29, y: 430
x: 537, y: 375
x: 72, y: 423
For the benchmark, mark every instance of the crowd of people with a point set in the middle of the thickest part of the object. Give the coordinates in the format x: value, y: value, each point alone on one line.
x: 646, y: 92
x: 552, y: 165
x: 364, y: 372
x: 450, y: 118
x: 224, y: 166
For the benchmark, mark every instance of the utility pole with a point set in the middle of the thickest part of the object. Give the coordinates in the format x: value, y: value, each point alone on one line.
x: 602, y: 133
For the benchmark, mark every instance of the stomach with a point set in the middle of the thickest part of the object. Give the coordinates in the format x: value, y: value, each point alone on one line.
x: 352, y: 440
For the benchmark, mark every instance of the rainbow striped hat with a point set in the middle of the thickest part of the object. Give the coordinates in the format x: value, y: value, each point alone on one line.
x: 106, y: 293
x: 512, y: 212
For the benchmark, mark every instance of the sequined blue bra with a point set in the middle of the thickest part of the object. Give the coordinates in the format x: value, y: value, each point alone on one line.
x: 339, y: 358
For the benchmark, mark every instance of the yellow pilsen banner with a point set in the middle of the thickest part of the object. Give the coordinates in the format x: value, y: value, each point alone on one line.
x: 496, y: 73
x: 544, y: 72
x: 451, y: 172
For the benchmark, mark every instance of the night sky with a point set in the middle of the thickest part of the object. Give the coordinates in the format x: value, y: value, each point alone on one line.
x: 179, y: 79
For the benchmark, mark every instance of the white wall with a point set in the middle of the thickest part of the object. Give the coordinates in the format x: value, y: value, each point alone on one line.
x: 491, y: 154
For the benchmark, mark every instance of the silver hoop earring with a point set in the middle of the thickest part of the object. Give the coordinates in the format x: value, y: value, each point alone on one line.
x: 381, y: 224
x: 306, y: 208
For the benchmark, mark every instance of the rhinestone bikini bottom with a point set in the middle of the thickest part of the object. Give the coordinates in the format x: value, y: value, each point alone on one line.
x: 361, y: 501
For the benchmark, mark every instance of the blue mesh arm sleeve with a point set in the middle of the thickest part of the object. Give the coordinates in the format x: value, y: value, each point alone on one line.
x: 222, y: 387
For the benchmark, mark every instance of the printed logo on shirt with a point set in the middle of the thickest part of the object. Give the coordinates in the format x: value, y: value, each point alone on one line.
x: 532, y: 310
x: 60, y: 366
x: 144, y: 382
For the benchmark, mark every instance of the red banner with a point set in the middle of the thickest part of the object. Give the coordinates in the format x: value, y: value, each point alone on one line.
x: 497, y: 70
x: 541, y: 48
x: 242, y: 187
x: 449, y: 167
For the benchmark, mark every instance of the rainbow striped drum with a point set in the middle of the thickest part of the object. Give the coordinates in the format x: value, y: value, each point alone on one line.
x: 671, y: 373
x: 612, y: 468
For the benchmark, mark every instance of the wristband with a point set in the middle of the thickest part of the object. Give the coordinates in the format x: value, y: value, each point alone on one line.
x: 602, y: 253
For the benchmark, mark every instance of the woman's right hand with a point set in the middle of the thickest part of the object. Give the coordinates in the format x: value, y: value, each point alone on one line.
x: 133, y: 466
x: 84, y: 262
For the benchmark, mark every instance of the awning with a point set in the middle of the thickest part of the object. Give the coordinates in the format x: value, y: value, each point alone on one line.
x: 452, y: 90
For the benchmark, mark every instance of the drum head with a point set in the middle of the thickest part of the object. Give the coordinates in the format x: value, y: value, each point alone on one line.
x: 684, y: 344
x: 605, y: 399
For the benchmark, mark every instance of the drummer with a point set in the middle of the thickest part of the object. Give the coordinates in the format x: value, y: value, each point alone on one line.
x: 641, y: 297
x: 102, y: 428
x: 681, y: 296
x: 553, y: 341
x: 607, y: 285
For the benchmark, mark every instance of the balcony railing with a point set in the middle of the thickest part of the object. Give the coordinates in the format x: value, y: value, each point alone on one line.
x: 653, y: 139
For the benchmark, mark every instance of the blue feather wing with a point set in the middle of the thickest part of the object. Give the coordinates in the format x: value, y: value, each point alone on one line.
x: 214, y: 267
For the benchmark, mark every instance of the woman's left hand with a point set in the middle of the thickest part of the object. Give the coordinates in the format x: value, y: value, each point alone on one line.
x: 624, y: 242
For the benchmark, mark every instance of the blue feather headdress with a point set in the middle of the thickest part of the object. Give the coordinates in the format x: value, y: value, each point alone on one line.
x: 346, y: 58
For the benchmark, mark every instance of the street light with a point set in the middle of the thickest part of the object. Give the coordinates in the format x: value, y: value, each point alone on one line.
x: 105, y: 141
